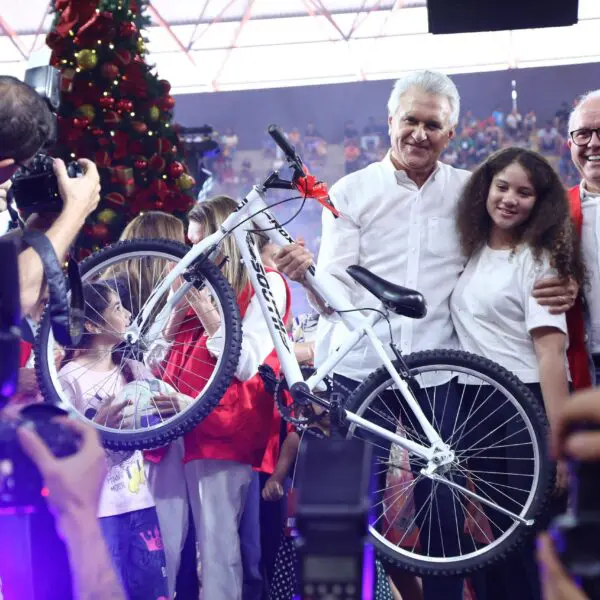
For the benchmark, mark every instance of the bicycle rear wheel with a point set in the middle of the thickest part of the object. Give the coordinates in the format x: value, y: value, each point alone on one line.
x: 497, y: 430
x: 130, y: 272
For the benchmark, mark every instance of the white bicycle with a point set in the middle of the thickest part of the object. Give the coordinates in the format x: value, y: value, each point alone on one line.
x: 460, y: 443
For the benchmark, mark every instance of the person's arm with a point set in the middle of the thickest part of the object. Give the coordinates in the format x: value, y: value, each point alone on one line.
x: 92, y: 571
x: 273, y: 488
x: 74, y: 485
x: 550, y: 347
x: 305, y: 352
x: 557, y: 294
x: 256, y: 340
x: 340, y: 248
x: 80, y: 197
x: 549, y: 336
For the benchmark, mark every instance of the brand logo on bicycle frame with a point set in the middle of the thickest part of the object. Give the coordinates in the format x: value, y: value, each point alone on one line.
x: 261, y: 276
x: 241, y: 205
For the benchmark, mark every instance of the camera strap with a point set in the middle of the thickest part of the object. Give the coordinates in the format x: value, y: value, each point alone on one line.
x: 66, y: 318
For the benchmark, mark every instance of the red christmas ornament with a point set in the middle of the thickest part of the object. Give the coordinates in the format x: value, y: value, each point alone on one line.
x: 167, y: 103
x: 141, y: 164
x: 115, y: 198
x: 97, y: 131
x: 81, y: 122
x: 107, y: 102
x: 124, y: 105
x: 139, y: 127
x: 157, y: 163
x: 111, y: 117
x: 110, y: 70
x: 176, y: 169
x: 127, y: 29
x: 99, y: 231
x: 164, y: 86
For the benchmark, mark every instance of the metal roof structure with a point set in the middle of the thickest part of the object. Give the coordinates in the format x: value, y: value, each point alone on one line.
x: 212, y: 45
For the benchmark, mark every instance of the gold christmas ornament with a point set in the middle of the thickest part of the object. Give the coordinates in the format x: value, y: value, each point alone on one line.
x: 154, y: 113
x: 107, y: 216
x: 87, y: 59
x: 185, y: 182
x: 87, y: 111
x: 141, y: 46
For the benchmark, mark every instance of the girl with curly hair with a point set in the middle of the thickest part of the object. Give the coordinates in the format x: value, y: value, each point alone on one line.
x: 514, y: 227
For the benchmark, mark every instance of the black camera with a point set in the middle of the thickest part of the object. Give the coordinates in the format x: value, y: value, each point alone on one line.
x: 576, y: 533
x: 20, y: 481
x: 21, y: 486
x: 332, y: 519
x: 35, y: 188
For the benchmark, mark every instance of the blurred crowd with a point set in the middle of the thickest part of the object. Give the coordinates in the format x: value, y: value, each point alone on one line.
x: 476, y: 138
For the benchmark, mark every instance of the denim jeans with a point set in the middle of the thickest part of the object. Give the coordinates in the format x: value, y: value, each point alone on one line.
x: 135, y: 544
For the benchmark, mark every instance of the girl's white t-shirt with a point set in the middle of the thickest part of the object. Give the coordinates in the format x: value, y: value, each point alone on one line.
x: 494, y: 312
x: 125, y: 488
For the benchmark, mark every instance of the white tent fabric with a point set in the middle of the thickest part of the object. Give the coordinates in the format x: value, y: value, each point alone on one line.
x: 211, y: 45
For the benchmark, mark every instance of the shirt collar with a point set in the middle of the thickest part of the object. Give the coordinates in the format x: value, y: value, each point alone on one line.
x: 400, y: 175
x: 584, y: 194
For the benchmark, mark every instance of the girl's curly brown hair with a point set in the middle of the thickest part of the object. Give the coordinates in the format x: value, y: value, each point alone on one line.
x: 549, y: 227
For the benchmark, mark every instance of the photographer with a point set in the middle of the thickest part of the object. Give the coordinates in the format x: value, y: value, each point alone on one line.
x: 73, y: 492
x: 26, y: 126
x: 583, y: 407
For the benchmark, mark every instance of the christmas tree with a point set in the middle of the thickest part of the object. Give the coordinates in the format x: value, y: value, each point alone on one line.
x: 117, y: 112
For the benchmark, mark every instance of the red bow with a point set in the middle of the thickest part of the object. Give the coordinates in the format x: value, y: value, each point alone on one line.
x: 72, y: 12
x: 310, y: 187
x: 98, y: 26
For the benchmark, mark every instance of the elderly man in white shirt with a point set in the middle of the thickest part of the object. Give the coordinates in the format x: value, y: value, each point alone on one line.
x: 399, y: 222
x: 584, y: 142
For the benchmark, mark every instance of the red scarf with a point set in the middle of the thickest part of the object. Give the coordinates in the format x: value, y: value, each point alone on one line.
x: 577, y: 352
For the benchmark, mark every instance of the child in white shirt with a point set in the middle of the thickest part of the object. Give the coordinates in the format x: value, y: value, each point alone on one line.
x: 92, y: 379
x: 514, y: 227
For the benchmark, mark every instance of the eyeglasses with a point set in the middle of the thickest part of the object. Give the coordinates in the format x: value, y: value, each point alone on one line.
x: 582, y: 137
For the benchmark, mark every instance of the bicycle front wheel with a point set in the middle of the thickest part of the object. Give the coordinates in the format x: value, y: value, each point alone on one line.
x: 482, y: 505
x: 113, y: 379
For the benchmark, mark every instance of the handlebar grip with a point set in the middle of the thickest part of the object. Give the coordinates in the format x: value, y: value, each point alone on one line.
x: 280, y: 139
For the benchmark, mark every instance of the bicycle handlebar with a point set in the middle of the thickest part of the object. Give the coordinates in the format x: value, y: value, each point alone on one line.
x: 289, y: 151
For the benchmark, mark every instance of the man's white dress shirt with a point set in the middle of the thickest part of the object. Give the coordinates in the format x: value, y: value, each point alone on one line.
x: 404, y: 234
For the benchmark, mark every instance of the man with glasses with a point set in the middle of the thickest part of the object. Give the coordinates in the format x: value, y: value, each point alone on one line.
x: 584, y: 142
x: 26, y: 126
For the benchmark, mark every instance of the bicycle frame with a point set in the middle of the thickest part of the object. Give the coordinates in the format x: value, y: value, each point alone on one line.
x: 252, y: 213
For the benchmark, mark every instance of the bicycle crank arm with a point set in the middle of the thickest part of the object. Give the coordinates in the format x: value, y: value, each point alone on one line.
x: 475, y: 496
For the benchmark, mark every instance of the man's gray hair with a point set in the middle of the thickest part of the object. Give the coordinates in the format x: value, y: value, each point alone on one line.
x: 431, y: 82
x: 582, y: 99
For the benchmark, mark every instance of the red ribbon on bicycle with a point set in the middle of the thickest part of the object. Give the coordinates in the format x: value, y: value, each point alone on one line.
x: 310, y: 187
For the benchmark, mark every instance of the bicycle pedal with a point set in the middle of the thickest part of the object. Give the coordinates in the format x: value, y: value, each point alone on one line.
x: 269, y: 378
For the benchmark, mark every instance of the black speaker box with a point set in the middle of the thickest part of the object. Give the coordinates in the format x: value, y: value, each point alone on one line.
x: 464, y: 16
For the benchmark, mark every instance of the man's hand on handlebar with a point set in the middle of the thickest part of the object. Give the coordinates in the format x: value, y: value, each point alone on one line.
x: 294, y: 260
